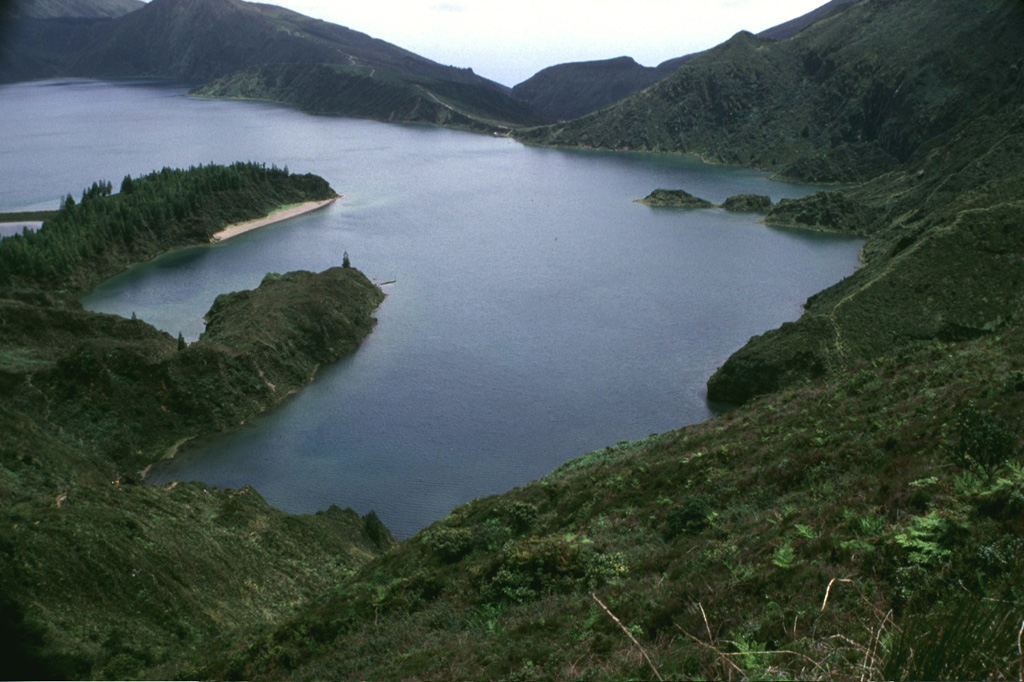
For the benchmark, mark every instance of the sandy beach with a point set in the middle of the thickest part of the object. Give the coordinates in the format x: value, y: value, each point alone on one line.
x: 275, y: 217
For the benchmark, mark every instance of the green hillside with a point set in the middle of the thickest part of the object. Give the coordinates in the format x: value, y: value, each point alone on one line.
x: 856, y: 93
x: 863, y: 526
x: 364, y: 92
x: 198, y: 40
x: 880, y: 91
x: 568, y: 91
x: 860, y: 517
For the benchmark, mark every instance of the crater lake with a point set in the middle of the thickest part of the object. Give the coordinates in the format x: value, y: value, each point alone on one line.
x: 536, y: 312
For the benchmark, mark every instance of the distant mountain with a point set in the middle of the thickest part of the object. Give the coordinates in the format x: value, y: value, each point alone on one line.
x: 263, y: 52
x: 54, y: 9
x: 569, y: 91
x: 855, y: 94
x: 199, y: 40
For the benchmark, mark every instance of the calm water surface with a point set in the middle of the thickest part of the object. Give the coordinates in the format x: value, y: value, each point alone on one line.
x: 538, y: 313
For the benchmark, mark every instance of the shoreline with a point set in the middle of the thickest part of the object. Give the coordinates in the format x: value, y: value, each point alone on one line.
x: 277, y: 216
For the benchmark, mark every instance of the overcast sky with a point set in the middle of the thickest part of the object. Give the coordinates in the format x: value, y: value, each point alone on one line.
x: 510, y: 41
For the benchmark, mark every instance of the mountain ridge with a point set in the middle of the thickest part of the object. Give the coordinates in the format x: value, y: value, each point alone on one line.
x: 196, y: 41
x: 813, y: 108
x: 569, y: 91
x: 224, y: 44
x: 53, y: 9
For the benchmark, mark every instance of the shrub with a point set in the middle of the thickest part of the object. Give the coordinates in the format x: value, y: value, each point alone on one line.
x: 984, y: 441
x: 450, y: 544
x: 551, y: 564
x: 521, y: 515
x: 688, y: 518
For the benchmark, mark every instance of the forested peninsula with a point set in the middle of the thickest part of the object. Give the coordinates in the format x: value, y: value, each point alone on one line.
x: 97, y: 567
x: 102, y: 233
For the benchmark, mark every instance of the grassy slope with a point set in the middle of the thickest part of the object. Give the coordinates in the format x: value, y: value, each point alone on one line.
x: 942, y: 260
x: 198, y: 41
x: 103, y: 577
x: 568, y: 91
x: 745, y: 520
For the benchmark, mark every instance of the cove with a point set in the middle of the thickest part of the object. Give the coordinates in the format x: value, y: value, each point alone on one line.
x: 537, y: 312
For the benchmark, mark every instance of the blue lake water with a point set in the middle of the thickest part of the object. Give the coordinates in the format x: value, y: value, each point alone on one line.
x: 537, y: 313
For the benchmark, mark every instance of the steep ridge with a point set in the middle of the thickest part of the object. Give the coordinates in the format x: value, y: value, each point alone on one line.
x: 256, y: 51
x: 853, y: 95
x: 569, y: 91
x: 791, y: 28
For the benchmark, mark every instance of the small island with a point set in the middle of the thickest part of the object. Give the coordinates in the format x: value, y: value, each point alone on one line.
x: 678, y: 198
x: 674, y: 198
x: 748, y: 203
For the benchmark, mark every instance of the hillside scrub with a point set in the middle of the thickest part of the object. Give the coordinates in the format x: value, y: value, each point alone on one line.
x: 859, y: 516
x: 825, y: 532
x: 941, y: 262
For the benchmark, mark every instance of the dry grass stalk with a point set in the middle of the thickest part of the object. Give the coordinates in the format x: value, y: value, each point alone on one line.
x: 1020, y: 650
x: 630, y: 635
x: 828, y: 590
x: 722, y: 657
x: 869, y: 655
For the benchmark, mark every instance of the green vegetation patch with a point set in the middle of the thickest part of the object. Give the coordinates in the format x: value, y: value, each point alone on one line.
x: 748, y: 203
x: 674, y: 198
x: 100, y: 234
